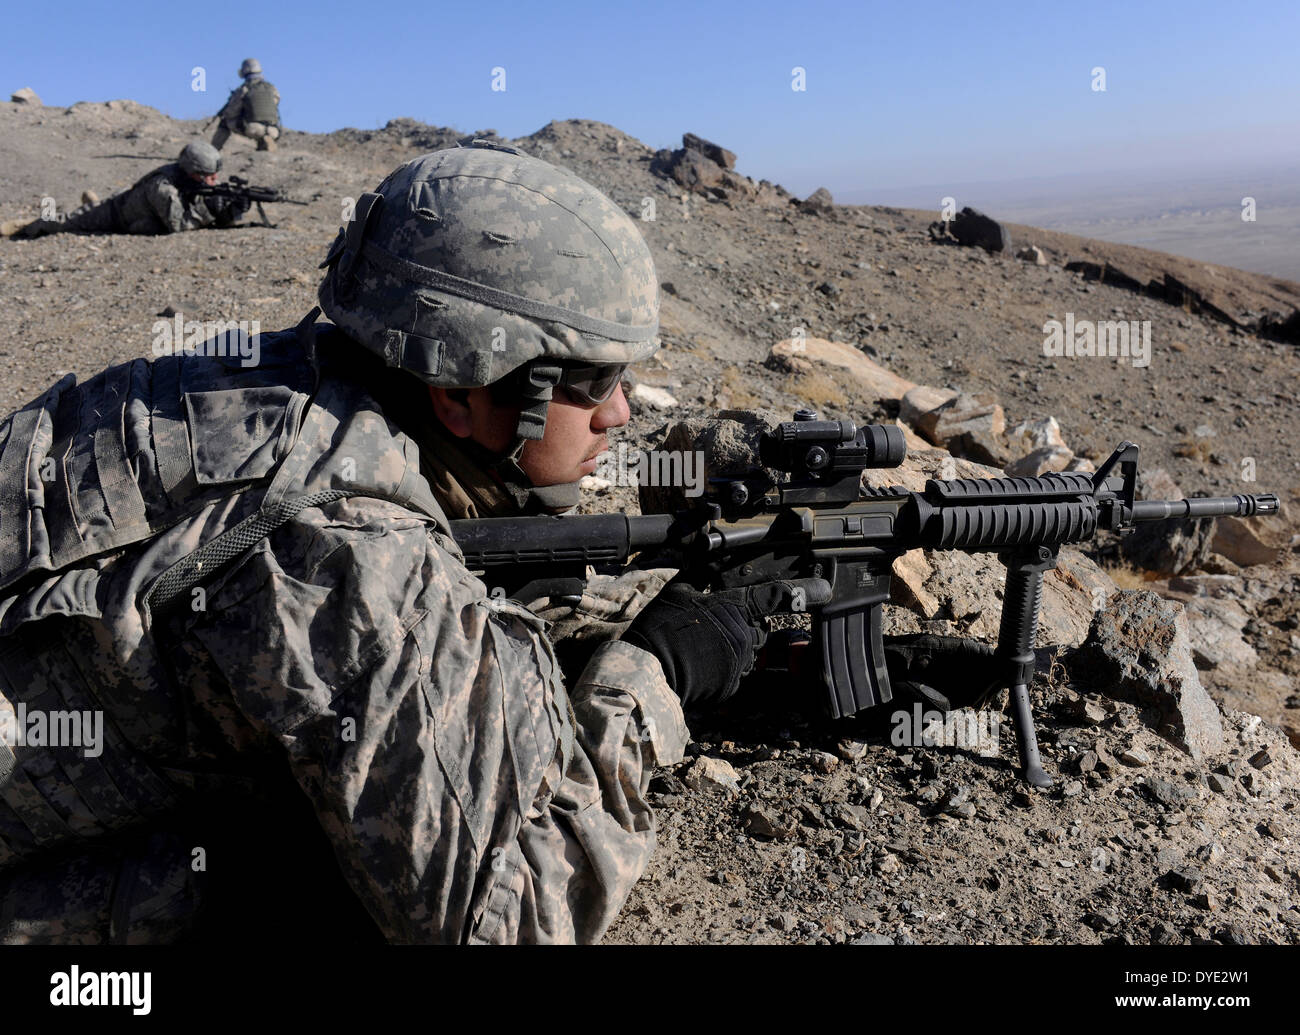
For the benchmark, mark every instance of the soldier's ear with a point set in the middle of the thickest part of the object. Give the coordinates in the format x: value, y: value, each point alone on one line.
x: 451, y: 407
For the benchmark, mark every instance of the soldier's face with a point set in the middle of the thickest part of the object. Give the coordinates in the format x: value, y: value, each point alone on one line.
x: 210, y: 179
x: 575, y: 435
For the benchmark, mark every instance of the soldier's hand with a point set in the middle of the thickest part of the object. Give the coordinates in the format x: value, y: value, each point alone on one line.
x: 946, y: 671
x: 707, y: 642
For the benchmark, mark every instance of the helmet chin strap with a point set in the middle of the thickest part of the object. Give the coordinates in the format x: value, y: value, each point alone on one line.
x: 538, y: 388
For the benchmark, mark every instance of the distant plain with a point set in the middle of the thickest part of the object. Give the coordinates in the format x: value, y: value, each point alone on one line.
x: 1198, y: 216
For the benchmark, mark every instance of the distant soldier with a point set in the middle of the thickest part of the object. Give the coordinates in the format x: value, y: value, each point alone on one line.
x: 164, y: 201
x: 253, y: 110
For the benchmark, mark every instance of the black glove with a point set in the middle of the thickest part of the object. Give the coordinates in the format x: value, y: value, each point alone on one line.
x: 944, y: 671
x: 706, y: 642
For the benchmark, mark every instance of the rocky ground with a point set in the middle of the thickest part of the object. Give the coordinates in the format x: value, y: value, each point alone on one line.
x: 780, y: 826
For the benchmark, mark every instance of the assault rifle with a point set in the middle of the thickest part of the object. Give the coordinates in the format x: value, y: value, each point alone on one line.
x: 818, y: 521
x: 240, y: 188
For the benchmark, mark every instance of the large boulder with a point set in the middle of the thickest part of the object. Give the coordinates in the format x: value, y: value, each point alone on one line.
x: 25, y: 96
x: 1215, y: 628
x: 710, y: 150
x: 870, y: 380
x: 974, y: 229
x: 1138, y: 649
x: 1036, y: 434
x: 1257, y: 540
x: 692, y: 169
x: 1043, y: 460
x: 970, y: 426
x: 922, y: 399
x: 702, y: 167
x: 818, y: 202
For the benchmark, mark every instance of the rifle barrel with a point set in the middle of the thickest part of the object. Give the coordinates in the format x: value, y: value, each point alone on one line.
x: 1213, y: 506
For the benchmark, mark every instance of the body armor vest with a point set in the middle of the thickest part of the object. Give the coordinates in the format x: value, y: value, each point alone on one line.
x: 260, y: 104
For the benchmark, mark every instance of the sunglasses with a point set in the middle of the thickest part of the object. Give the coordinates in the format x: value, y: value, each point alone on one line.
x: 591, y: 384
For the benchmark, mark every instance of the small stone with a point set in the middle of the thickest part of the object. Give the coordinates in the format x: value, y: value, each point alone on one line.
x: 1161, y: 934
x: 1093, y: 713
x: 1072, y: 789
x: 888, y: 863
x: 1086, y: 762
x: 823, y: 761
x: 854, y: 817
x: 849, y: 749
x: 1169, y: 793
x: 655, y: 398
x: 1101, y: 919
x: 1186, y: 879
x: 765, y: 821
x: 1269, y: 828
x: 1260, y: 758
x: 708, y: 773
x: 1232, y: 935
x: 1219, y: 783
x: 871, y: 938
x: 1207, y: 900
x: 1134, y: 757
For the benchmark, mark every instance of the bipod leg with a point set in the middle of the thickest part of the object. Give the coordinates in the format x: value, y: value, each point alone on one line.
x: 1024, y: 591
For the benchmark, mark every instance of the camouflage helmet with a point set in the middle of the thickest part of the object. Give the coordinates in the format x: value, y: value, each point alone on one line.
x: 468, y: 263
x: 201, y: 158
x: 251, y: 66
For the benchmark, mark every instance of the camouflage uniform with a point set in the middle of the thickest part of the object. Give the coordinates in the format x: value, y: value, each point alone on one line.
x: 163, y: 202
x: 252, y: 110
x: 348, y: 654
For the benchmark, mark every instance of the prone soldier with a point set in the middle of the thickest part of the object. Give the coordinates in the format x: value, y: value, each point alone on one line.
x: 164, y: 201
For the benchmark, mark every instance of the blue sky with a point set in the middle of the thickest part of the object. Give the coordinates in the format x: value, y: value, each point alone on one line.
x: 897, y: 93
